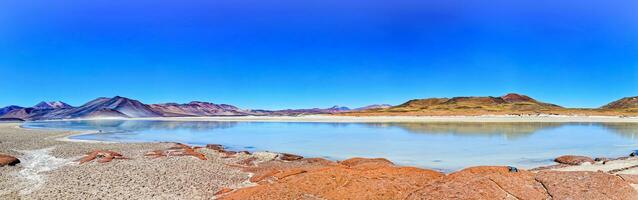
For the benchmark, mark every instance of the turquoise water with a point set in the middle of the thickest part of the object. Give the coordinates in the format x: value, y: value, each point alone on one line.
x: 442, y: 146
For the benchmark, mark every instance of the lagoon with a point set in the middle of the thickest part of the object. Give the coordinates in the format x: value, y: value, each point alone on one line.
x: 444, y: 146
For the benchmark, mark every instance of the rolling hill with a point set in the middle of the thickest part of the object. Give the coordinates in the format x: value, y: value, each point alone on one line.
x: 627, y: 103
x: 507, y: 104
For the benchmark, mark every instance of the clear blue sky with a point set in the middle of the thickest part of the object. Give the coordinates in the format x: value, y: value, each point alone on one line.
x: 317, y: 53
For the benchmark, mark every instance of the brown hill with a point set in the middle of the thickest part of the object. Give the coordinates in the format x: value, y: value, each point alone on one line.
x: 507, y: 104
x: 627, y: 103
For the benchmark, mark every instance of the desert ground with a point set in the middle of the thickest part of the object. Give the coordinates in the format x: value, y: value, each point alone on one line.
x: 52, y: 167
x: 381, y: 119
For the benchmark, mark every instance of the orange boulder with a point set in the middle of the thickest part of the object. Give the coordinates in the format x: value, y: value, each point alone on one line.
x: 8, y: 160
x: 585, y: 185
x: 573, y: 160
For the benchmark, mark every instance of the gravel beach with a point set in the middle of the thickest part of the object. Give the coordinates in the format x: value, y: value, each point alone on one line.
x: 48, y: 170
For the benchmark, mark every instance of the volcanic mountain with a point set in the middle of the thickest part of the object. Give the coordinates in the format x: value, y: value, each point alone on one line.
x: 627, y: 103
x: 35, y: 112
x: 507, y: 104
x: 9, y: 109
x: 198, y: 108
x: 106, y: 107
x: 296, y: 112
x: 52, y: 105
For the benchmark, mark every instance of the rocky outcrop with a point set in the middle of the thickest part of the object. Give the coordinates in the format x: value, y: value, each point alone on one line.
x: 362, y: 178
x: 7, y: 160
x: 102, y: 156
x: 289, y: 157
x: 177, y: 150
x: 573, y: 160
x: 349, y: 179
x: 585, y: 185
x: 483, y: 183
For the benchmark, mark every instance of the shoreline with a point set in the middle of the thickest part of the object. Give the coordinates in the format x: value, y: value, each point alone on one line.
x: 393, y: 119
x: 254, y: 177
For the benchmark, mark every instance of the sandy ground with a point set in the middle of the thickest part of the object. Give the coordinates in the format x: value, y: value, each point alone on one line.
x: 48, y: 170
x: 378, y: 119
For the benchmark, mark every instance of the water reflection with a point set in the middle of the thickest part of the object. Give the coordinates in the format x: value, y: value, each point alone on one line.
x: 472, y: 129
x: 133, y: 125
x: 515, y: 130
x: 626, y: 130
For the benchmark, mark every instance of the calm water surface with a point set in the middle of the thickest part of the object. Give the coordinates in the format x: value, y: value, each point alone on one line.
x: 443, y: 146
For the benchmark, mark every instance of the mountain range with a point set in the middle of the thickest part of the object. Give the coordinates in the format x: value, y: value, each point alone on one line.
x: 509, y: 104
x: 122, y: 107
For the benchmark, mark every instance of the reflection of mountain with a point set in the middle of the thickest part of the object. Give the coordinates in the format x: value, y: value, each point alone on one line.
x: 509, y: 130
x: 134, y: 125
x: 627, y: 130
x: 172, y: 125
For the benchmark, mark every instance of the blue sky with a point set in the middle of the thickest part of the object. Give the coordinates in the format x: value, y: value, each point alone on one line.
x: 317, y: 53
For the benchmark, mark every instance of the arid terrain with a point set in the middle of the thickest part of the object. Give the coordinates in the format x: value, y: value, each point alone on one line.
x: 122, y: 107
x: 509, y: 104
x: 52, y: 168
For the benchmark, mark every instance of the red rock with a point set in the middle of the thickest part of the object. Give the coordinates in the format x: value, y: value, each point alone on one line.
x: 101, y: 155
x: 287, y: 173
x: 216, y: 147
x: 631, y: 178
x: 177, y: 150
x: 179, y: 146
x: 289, y: 157
x: 483, y: 183
x: 366, y: 163
x: 259, y: 177
x: 573, y: 160
x: 155, y: 154
x: 248, y: 161
x: 306, y: 180
x: 223, y: 191
x: 585, y: 185
x: 8, y: 160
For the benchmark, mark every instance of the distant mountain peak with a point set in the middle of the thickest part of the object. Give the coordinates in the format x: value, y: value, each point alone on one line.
x: 374, y: 106
x: 9, y: 109
x: 624, y: 103
x: 52, y: 105
x: 198, y: 108
x: 513, y: 97
x: 339, y: 108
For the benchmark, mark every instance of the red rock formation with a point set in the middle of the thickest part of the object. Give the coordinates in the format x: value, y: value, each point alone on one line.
x: 329, y: 180
x: 223, y: 191
x: 216, y: 147
x: 631, y: 178
x: 483, y: 183
x: 573, y: 160
x: 103, y: 156
x: 177, y: 149
x: 361, y: 178
x: 289, y: 157
x: 8, y: 160
x: 585, y: 185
